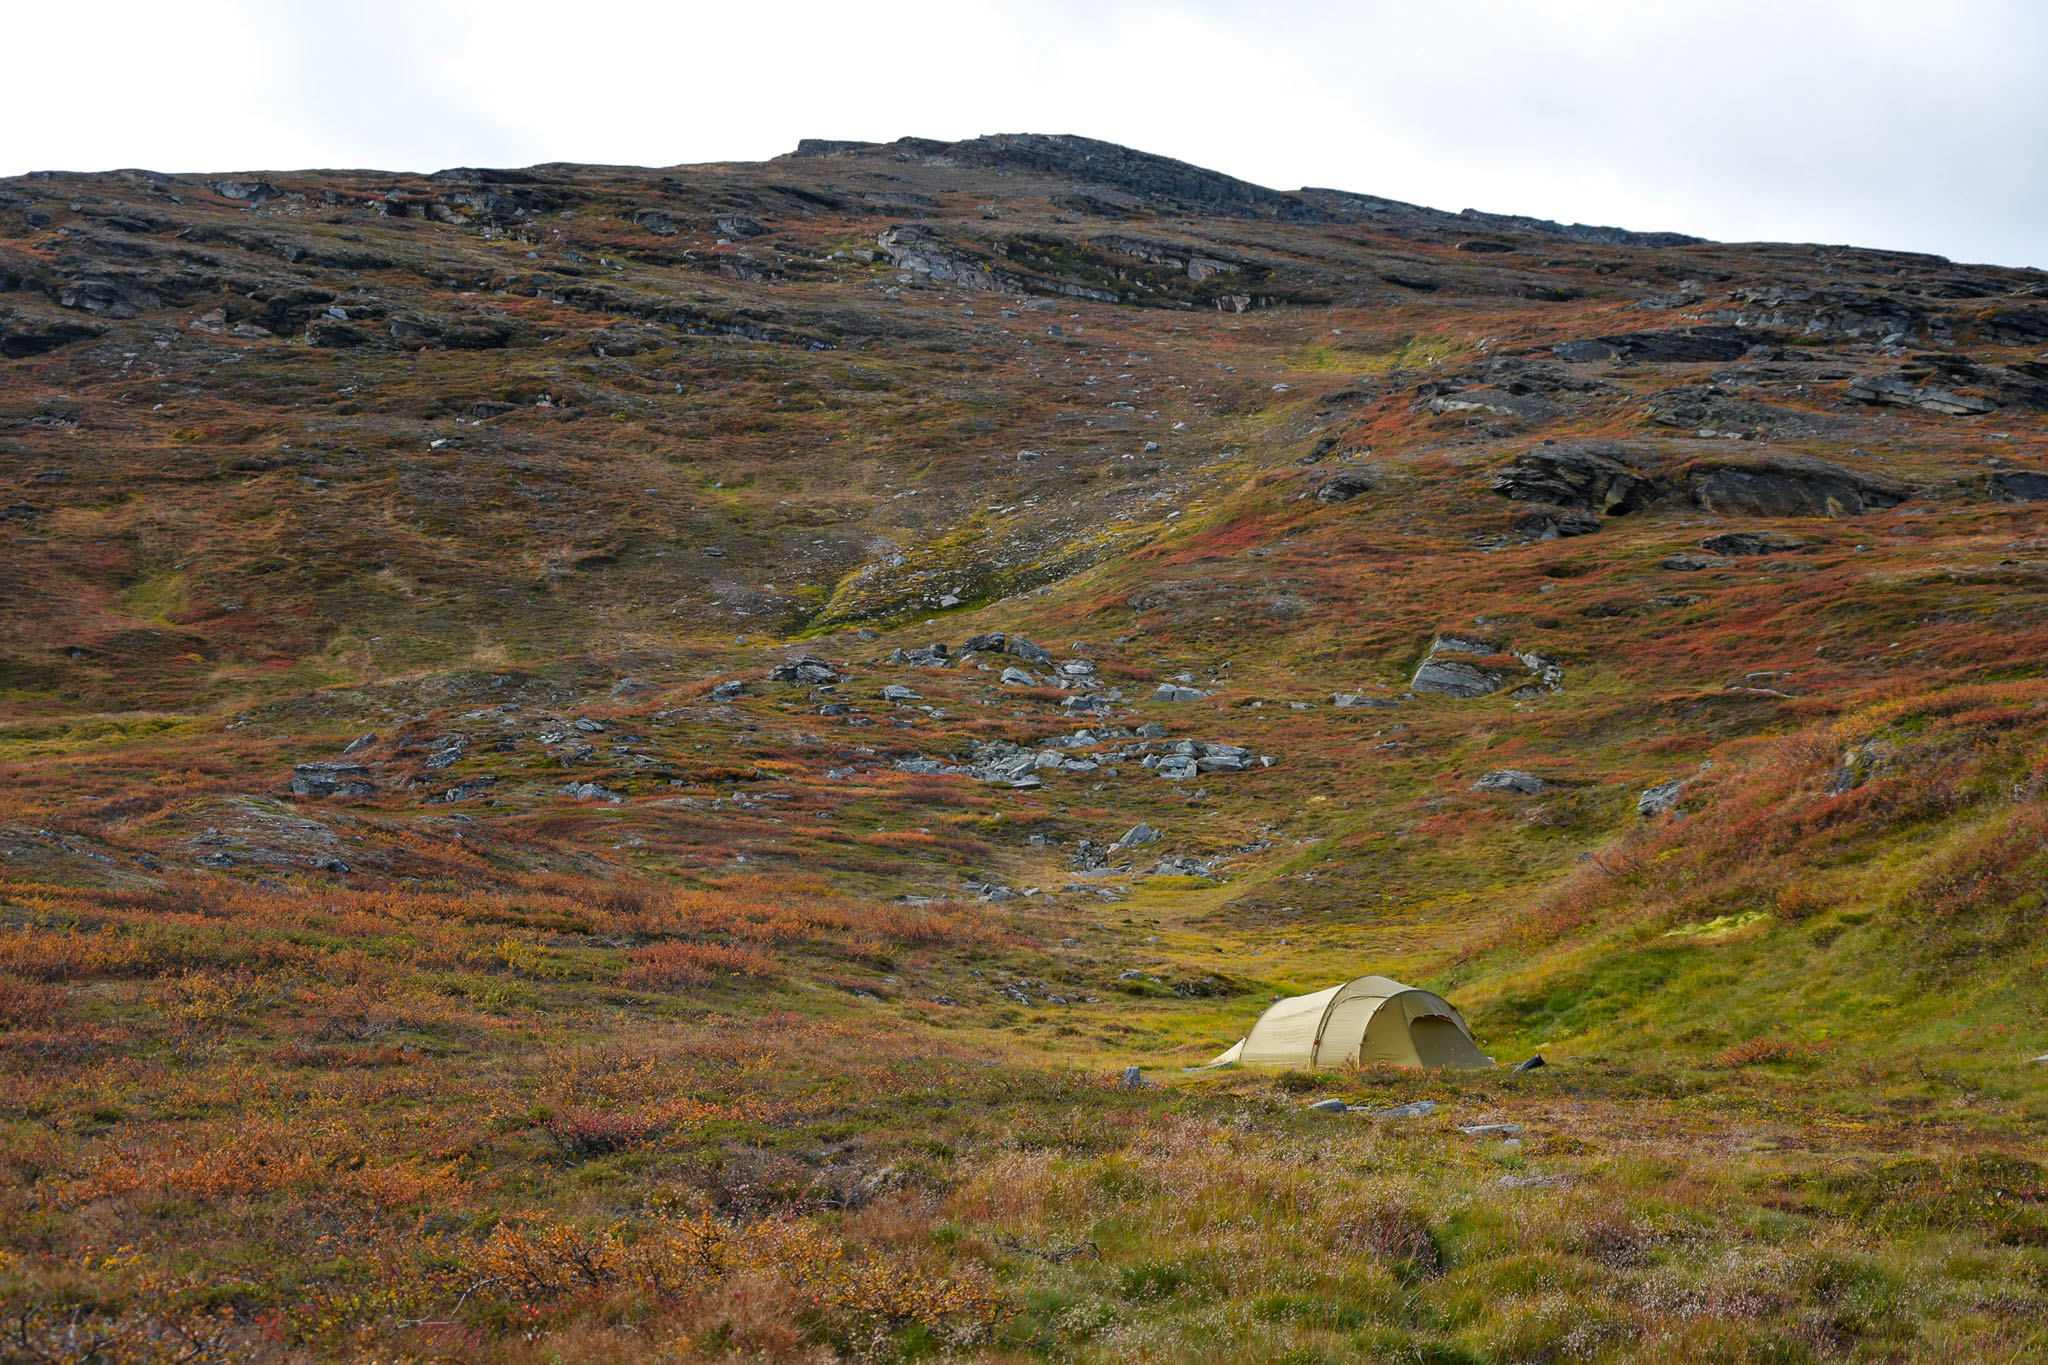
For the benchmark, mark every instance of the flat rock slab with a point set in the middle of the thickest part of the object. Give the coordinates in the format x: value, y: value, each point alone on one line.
x: 1418, y: 1109
x: 1491, y: 1130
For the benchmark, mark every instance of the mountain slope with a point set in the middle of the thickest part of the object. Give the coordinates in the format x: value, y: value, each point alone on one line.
x: 630, y: 743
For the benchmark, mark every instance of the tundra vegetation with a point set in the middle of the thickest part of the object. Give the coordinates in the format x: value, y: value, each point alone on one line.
x: 466, y: 894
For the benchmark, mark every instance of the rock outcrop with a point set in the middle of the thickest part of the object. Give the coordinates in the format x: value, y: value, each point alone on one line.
x: 1612, y: 478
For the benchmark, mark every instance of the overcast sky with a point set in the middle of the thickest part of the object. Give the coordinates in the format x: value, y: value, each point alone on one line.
x: 1920, y: 126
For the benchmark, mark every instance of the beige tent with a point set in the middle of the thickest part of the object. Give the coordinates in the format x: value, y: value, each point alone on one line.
x: 1373, y: 1020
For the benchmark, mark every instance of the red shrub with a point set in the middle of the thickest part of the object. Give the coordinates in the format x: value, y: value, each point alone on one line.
x: 672, y: 963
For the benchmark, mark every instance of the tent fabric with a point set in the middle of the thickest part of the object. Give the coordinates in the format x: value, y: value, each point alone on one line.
x: 1373, y: 1020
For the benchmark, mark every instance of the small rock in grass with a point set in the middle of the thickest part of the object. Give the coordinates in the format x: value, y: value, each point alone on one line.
x: 1534, y: 1182
x: 898, y: 692
x: 1332, y: 1105
x: 1491, y: 1130
x: 1174, y: 692
x: 1511, y: 780
x: 1417, y: 1109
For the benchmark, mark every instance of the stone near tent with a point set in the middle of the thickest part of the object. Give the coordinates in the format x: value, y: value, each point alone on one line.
x: 1415, y: 1109
x: 1529, y: 1065
x: 1370, y: 1020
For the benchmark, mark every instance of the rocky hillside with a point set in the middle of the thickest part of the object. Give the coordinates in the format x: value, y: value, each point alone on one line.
x: 708, y: 707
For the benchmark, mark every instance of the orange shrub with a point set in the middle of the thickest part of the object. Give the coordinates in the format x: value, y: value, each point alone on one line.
x: 673, y: 962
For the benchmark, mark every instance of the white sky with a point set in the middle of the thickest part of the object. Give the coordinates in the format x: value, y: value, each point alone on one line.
x: 1920, y: 126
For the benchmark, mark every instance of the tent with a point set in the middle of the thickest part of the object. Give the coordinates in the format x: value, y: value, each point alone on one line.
x: 1371, y: 1020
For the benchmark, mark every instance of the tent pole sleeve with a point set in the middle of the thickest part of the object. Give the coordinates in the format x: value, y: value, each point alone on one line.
x: 1315, y: 1047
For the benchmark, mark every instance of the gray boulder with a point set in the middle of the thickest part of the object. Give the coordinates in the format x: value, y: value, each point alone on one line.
x: 1900, y: 391
x: 331, y: 779
x: 1330, y: 1105
x: 591, y: 791
x: 1753, y: 543
x: 1345, y: 487
x: 1604, y: 478
x: 1511, y: 780
x: 729, y: 690
x: 804, y: 669
x: 1139, y: 835
x: 1661, y: 798
x: 1175, y: 692
x: 2019, y: 485
x: 1017, y: 677
x: 1456, y: 678
x: 898, y: 692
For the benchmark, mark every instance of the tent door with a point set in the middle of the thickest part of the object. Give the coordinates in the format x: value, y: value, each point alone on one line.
x: 1440, y: 1043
